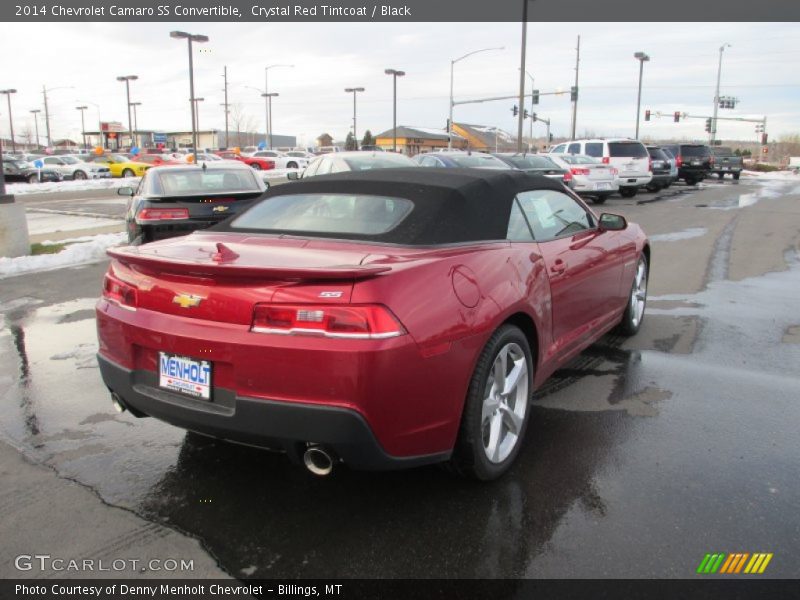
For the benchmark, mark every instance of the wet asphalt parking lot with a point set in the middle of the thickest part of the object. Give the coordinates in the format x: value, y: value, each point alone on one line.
x: 641, y: 456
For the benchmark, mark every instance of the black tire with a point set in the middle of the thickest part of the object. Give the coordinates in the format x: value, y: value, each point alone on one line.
x: 690, y: 181
x: 631, y: 320
x: 33, y: 179
x: 256, y: 166
x: 128, y: 173
x: 291, y: 165
x: 79, y: 175
x: 736, y: 176
x: 720, y: 175
x: 470, y: 454
x: 600, y: 199
x: 628, y: 192
x: 654, y: 187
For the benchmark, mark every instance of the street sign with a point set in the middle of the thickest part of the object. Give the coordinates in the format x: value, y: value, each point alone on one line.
x: 160, y: 138
x: 38, y: 163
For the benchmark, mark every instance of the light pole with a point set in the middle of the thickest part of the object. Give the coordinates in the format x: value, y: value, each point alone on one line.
x: 354, y: 91
x: 191, y: 38
x: 530, y: 135
x: 395, y: 74
x: 452, y: 64
x: 716, y: 94
x: 136, y: 123
x: 83, y: 125
x: 46, y: 111
x: 35, y: 113
x: 642, y: 58
x: 225, y: 104
x: 10, y: 120
x: 268, y: 100
x: 127, y: 79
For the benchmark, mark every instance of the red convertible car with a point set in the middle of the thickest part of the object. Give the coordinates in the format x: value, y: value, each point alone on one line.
x: 257, y: 162
x: 381, y: 319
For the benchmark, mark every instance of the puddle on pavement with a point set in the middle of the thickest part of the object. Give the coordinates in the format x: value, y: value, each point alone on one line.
x: 676, y: 236
x: 767, y: 190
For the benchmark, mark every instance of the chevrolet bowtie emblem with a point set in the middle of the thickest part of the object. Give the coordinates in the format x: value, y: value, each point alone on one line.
x: 187, y: 300
x: 220, y: 208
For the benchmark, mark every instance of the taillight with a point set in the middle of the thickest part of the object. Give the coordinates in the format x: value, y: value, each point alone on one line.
x: 352, y: 321
x: 606, y: 160
x: 678, y: 161
x: 162, y: 214
x: 650, y: 164
x: 568, y: 176
x: 119, y: 292
x: 579, y: 171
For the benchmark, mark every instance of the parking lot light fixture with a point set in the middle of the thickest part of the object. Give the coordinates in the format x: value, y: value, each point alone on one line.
x: 395, y: 74
x: 10, y: 120
x: 189, y: 37
x: 642, y: 58
x: 268, y: 101
x: 452, y: 65
x: 127, y: 79
x: 354, y: 91
x: 136, y: 123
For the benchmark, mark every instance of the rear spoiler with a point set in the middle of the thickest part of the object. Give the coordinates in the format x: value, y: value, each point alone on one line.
x: 130, y: 255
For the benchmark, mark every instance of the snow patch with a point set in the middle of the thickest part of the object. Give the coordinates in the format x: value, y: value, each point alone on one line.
x: 676, y: 236
x: 793, y: 175
x: 21, y: 189
x: 75, y: 254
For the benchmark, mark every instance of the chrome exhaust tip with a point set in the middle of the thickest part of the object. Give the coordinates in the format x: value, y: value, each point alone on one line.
x: 318, y: 461
x: 117, y: 402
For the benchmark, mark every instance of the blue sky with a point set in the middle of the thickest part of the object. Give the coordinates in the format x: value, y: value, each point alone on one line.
x: 760, y: 69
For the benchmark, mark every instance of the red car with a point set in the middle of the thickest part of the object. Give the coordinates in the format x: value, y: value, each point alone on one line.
x: 257, y: 162
x: 382, y: 319
x: 158, y: 160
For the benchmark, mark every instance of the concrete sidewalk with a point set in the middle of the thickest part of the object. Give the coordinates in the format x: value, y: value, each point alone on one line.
x: 45, y: 514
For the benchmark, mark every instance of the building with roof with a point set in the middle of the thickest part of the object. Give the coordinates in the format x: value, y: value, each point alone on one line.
x: 484, y: 138
x: 415, y: 140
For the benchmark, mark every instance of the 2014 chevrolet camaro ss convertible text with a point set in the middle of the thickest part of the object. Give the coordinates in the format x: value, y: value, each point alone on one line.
x: 381, y: 319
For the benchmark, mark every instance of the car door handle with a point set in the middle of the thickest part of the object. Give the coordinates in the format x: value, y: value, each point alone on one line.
x: 558, y: 267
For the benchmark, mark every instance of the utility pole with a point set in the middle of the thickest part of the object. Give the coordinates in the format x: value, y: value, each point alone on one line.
x: 35, y: 113
x: 642, y: 58
x: 521, y: 118
x: 575, y: 101
x: 46, y: 116
x: 10, y: 119
x: 127, y: 79
x: 395, y: 74
x: 225, y: 104
x: 713, y: 133
x: 354, y: 91
x: 83, y: 126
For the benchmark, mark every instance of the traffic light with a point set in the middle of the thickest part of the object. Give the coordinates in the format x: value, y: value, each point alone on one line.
x: 534, y: 117
x: 573, y: 93
x: 514, y: 110
x: 525, y: 114
x: 647, y: 115
x: 551, y: 137
x: 534, y: 96
x: 448, y: 125
x: 677, y: 116
x: 708, y: 125
x: 763, y: 139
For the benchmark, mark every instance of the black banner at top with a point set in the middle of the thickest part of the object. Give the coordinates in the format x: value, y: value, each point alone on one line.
x: 600, y: 11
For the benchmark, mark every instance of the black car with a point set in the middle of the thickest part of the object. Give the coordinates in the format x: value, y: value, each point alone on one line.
x: 659, y: 167
x: 458, y: 159
x: 694, y: 161
x: 20, y: 171
x: 176, y: 200
x: 536, y: 165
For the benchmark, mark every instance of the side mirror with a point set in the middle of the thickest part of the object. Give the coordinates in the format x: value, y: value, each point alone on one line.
x: 609, y: 222
x: 293, y: 176
x: 125, y: 191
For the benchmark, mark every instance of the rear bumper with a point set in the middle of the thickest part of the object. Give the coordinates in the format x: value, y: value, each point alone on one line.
x: 258, y: 422
x: 634, y: 180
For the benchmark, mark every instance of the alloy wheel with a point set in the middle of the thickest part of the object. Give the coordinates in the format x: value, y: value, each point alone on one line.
x: 505, y: 403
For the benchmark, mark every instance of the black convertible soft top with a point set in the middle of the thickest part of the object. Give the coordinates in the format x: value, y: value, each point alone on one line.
x: 450, y: 205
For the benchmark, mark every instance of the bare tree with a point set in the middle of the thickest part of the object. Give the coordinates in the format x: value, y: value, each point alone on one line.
x: 242, y: 123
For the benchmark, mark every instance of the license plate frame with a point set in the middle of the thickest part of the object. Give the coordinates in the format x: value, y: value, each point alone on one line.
x: 197, y: 385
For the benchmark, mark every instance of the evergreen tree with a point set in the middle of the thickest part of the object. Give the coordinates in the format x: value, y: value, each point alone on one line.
x: 350, y: 142
x: 368, y: 139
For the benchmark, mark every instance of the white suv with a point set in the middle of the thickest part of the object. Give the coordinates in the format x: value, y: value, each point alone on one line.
x: 630, y: 157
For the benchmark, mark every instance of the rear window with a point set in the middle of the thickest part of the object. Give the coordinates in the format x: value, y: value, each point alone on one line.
x: 478, y: 160
x: 580, y: 159
x: 190, y: 182
x: 357, y: 214
x: 657, y: 153
x: 722, y: 151
x: 594, y: 149
x: 626, y: 149
x: 532, y: 162
x: 695, y: 150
